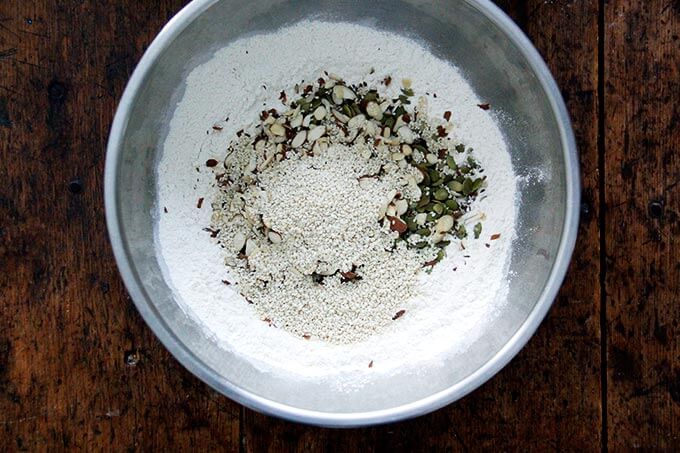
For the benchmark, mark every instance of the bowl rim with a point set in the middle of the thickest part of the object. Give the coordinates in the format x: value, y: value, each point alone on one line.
x: 328, y: 419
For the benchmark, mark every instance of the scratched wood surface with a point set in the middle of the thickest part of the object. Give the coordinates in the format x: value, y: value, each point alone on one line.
x: 80, y: 370
x: 642, y: 228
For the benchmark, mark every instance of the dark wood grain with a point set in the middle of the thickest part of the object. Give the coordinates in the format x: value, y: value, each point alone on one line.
x: 642, y: 105
x: 549, y: 396
x: 78, y: 367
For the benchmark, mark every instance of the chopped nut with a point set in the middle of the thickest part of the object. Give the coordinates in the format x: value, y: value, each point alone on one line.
x: 277, y: 129
x: 406, y: 134
x: 397, y: 224
x: 374, y: 110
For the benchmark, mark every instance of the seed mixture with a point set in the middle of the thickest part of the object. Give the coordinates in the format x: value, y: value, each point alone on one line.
x: 329, y: 210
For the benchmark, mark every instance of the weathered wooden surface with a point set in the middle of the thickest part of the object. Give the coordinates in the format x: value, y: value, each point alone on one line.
x: 79, y: 369
x: 642, y: 229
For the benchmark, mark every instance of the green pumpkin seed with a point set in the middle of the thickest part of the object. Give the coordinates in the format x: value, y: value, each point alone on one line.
x: 424, y: 232
x: 461, y: 233
x: 456, y: 186
x: 371, y: 96
x: 424, y: 201
x: 347, y: 110
x: 438, y: 209
x: 477, y: 230
x: 452, y: 204
x: 441, y: 194
x: 451, y: 163
x: 477, y: 184
x: 468, y: 186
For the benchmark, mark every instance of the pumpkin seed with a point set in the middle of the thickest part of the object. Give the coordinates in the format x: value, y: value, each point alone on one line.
x: 438, y: 209
x: 456, y: 186
x: 441, y: 194
x: 452, y: 204
x: 477, y: 230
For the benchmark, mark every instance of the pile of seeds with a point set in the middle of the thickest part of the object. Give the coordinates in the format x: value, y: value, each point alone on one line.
x: 329, y: 209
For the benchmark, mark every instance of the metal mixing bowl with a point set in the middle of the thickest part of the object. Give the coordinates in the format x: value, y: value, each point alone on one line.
x: 504, y: 69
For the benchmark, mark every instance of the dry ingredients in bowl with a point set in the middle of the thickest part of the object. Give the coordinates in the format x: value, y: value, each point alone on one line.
x: 329, y: 209
x: 438, y: 314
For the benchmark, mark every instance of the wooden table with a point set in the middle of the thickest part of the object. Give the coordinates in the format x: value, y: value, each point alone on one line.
x: 79, y: 368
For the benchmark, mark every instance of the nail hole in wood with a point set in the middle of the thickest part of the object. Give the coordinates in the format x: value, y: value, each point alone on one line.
x: 75, y: 186
x: 656, y: 209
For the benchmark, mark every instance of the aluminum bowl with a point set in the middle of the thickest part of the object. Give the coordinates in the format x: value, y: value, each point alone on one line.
x: 502, y: 66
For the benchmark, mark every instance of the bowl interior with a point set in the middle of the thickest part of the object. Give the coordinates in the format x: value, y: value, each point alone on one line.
x: 498, y: 70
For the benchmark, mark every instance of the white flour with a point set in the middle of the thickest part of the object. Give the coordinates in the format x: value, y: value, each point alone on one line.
x: 454, y: 306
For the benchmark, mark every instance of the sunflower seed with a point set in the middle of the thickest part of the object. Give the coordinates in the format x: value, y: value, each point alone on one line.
x: 251, y: 247
x: 316, y: 133
x: 444, y: 224
x: 339, y: 116
x: 348, y: 93
x: 338, y: 94
x: 296, y: 121
x: 357, y: 121
x: 402, y: 207
x: 320, y: 113
x: 274, y: 237
x: 239, y: 242
x: 299, y: 139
